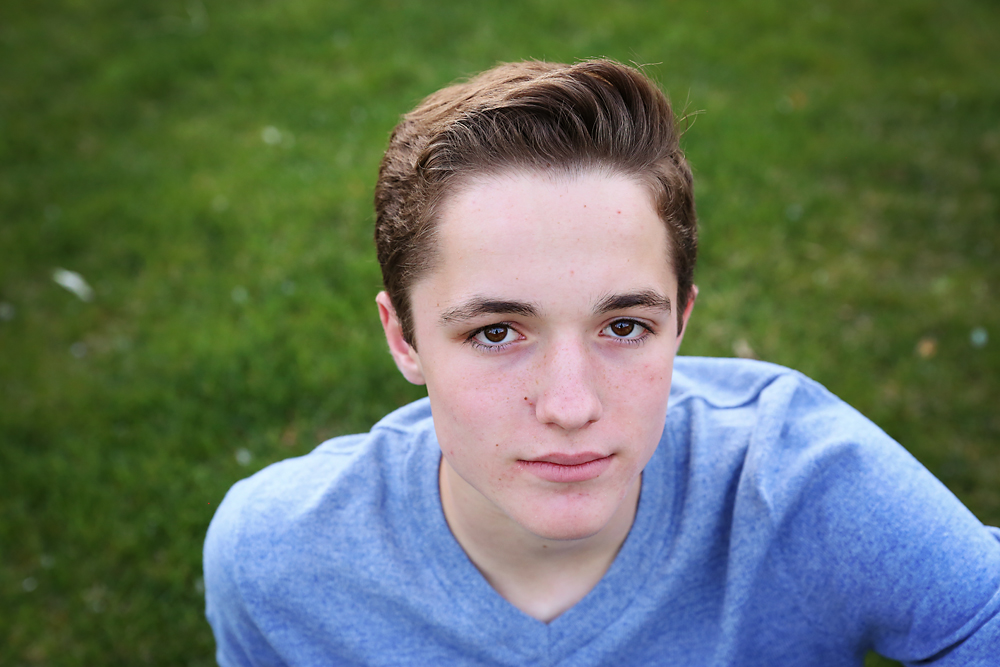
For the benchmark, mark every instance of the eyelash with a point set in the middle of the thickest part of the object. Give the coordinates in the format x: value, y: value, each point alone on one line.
x: 491, y: 348
x: 631, y: 341
x: 471, y: 339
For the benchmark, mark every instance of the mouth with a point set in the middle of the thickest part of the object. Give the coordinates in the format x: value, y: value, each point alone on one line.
x: 568, y: 459
x: 568, y: 468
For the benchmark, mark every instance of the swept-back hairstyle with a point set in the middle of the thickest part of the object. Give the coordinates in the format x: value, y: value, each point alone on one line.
x: 529, y: 116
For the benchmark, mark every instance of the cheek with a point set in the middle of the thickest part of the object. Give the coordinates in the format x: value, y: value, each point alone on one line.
x: 474, y: 396
x: 476, y: 416
x: 640, y: 399
x: 645, y: 382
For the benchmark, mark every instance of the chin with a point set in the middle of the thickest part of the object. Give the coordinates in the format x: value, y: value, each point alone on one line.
x: 565, y: 526
x: 565, y: 533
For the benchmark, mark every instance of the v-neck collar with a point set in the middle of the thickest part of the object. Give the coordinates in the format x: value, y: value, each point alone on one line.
x: 480, y: 610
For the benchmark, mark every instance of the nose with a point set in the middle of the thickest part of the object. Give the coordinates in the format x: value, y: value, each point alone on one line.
x: 568, y: 394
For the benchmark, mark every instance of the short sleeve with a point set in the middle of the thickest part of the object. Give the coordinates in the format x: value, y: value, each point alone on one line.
x: 868, y: 535
x: 239, y: 642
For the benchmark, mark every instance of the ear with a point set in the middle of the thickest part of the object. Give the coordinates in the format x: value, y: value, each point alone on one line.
x: 687, y: 313
x: 406, y: 358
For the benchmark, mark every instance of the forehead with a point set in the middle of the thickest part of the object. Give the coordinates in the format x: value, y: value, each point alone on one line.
x: 535, y: 235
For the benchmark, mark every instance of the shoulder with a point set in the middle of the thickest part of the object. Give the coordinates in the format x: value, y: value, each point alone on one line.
x: 724, y: 382
x: 792, y: 466
x: 301, y: 514
x: 338, y: 475
x: 783, y: 431
x: 745, y: 407
x: 833, y: 508
x: 754, y: 443
x: 296, y: 485
x: 732, y: 384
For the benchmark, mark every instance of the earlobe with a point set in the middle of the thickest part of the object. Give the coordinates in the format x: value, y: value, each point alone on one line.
x: 693, y: 296
x: 406, y: 358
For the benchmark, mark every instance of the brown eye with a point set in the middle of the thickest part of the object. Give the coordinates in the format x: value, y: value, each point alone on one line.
x: 622, y: 328
x: 495, y: 334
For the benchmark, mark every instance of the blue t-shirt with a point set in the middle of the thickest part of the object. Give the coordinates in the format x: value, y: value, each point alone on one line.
x: 776, y: 526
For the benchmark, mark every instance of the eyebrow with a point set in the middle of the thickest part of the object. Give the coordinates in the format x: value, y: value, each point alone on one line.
x: 477, y: 306
x: 643, y: 299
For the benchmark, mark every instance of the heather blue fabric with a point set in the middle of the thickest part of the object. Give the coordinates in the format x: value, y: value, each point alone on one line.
x: 776, y: 526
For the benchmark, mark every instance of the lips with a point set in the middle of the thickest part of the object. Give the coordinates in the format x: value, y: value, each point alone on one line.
x: 569, y: 459
x: 568, y: 468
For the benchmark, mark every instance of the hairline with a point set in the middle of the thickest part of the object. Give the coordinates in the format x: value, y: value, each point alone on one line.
x: 451, y: 187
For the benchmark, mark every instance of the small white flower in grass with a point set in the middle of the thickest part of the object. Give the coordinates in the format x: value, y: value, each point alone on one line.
x: 271, y: 135
x: 220, y: 203
x: 7, y: 312
x: 794, y: 212
x: 240, y: 294
x: 94, y: 597
x: 341, y: 39
x: 74, y: 282
x: 979, y: 337
x: 743, y: 350
x: 941, y: 286
x: 29, y: 584
x: 199, y: 17
x: 243, y: 456
x: 78, y: 349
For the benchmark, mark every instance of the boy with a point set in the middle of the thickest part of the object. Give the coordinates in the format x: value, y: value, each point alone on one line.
x: 536, y: 232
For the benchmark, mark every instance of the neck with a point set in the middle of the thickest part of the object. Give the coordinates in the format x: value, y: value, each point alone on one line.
x: 541, y: 577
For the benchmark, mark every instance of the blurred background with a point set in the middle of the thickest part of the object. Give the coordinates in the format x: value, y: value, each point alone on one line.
x: 187, y: 272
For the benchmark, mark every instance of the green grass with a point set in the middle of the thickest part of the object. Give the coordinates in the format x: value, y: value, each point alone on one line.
x: 847, y: 163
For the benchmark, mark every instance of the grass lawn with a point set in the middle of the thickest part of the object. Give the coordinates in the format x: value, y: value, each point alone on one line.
x: 207, y: 168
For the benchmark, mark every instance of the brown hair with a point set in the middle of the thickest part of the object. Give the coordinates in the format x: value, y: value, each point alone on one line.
x: 596, y: 114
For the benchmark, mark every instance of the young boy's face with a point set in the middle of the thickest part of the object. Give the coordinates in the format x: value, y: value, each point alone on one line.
x: 547, y: 333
